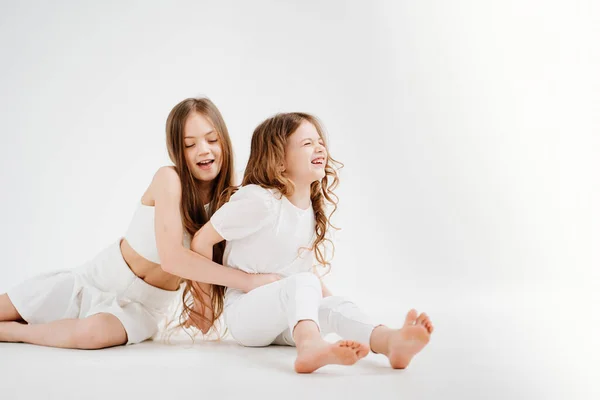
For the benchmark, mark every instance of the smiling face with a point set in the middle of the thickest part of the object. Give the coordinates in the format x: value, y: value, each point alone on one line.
x: 305, y: 155
x: 202, y: 145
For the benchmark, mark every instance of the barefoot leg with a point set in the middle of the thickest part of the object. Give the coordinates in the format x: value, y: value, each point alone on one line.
x: 401, y: 345
x: 95, y: 332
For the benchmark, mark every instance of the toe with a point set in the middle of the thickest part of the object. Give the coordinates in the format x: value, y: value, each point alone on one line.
x: 411, y: 317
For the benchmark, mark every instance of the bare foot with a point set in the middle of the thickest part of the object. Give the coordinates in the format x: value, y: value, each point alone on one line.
x: 424, y: 320
x: 318, y: 353
x: 405, y: 343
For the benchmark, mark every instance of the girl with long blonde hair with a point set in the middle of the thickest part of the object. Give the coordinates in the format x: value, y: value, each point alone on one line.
x: 278, y: 222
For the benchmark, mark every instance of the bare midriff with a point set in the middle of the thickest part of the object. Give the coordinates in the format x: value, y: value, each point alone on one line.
x: 148, y: 271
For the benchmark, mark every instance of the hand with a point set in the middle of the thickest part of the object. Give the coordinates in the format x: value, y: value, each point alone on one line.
x: 258, y: 280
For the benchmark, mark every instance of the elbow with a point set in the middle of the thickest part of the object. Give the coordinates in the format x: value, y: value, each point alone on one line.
x: 195, y: 248
x: 196, y: 245
x: 169, y: 263
x: 168, y: 267
x: 204, y: 249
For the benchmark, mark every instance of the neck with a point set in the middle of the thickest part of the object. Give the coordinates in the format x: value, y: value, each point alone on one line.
x: 205, y: 189
x: 301, y: 197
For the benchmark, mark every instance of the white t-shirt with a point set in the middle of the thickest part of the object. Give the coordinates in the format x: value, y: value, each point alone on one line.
x: 265, y: 233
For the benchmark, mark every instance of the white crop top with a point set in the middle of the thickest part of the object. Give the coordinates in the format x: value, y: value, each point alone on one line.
x: 140, y: 234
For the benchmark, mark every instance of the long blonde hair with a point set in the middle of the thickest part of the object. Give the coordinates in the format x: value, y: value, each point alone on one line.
x: 193, y: 214
x: 267, y: 154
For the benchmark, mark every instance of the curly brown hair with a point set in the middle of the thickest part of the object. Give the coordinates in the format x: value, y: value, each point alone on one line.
x: 267, y: 154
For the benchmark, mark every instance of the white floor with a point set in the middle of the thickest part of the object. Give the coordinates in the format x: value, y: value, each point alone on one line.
x: 502, y: 346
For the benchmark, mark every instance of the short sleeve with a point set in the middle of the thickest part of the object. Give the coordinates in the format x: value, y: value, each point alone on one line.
x: 249, y: 209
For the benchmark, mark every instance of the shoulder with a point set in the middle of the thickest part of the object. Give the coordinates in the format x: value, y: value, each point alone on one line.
x: 166, y: 180
x: 248, y: 210
x: 255, y: 192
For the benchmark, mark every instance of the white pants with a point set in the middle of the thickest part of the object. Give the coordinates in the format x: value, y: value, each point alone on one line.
x: 268, y: 314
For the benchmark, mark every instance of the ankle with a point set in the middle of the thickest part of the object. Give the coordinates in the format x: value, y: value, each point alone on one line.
x: 307, y: 339
x: 380, y: 339
x: 306, y: 331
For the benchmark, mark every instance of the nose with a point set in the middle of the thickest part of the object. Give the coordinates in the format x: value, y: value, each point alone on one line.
x: 203, y: 148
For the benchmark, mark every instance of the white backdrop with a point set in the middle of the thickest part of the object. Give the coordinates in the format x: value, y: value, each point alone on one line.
x: 469, y: 132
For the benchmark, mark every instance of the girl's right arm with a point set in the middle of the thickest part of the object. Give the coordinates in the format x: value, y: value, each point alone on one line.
x: 183, y: 262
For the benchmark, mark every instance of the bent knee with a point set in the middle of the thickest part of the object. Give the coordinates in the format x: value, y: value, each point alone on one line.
x: 99, y: 331
x: 334, y: 302
x: 8, y: 312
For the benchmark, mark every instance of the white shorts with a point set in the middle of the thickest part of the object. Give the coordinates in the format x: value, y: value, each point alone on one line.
x: 103, y: 285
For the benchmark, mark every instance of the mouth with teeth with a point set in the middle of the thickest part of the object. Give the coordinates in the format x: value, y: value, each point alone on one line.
x: 206, y: 164
x: 320, y: 161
